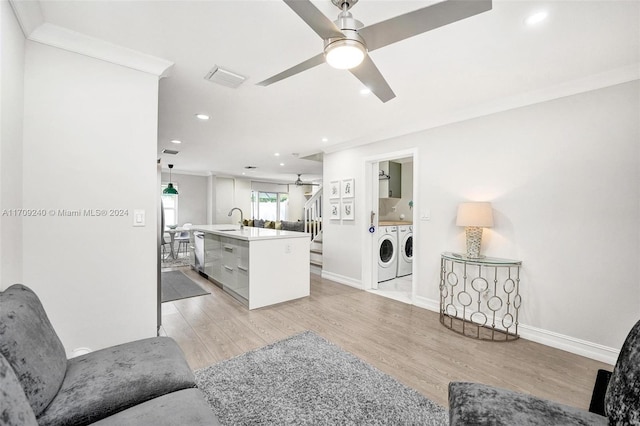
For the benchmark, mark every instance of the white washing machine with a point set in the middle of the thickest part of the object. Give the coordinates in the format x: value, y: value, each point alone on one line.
x: 405, y: 247
x: 387, y: 253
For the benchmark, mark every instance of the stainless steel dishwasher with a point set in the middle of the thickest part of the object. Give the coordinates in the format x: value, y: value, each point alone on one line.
x: 198, y: 251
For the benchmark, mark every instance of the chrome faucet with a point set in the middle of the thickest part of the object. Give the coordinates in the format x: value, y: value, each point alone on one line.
x: 241, y: 216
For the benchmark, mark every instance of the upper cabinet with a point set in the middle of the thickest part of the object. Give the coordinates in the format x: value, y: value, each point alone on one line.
x: 390, y: 176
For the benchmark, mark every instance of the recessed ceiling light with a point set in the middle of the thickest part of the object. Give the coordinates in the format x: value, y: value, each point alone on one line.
x: 365, y: 91
x: 325, y: 140
x: 175, y: 141
x: 202, y: 116
x: 536, y: 18
x: 282, y: 164
x: 277, y: 154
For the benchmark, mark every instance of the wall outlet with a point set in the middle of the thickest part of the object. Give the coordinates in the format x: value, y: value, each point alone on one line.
x: 287, y: 248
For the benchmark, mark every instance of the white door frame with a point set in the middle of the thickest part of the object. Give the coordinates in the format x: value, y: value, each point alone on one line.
x: 369, y: 240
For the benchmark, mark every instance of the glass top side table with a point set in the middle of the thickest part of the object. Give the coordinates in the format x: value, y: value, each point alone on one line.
x: 480, y: 297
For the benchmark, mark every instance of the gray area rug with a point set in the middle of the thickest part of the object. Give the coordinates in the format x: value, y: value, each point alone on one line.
x: 307, y: 380
x: 170, y: 262
x: 176, y: 286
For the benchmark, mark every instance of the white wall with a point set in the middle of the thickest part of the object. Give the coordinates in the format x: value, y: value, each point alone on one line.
x: 297, y: 200
x: 230, y: 193
x: 564, y: 180
x: 12, y: 51
x: 90, y: 139
x: 192, y: 197
x: 341, y: 239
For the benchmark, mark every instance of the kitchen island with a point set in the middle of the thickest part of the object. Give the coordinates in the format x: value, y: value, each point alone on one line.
x: 257, y: 266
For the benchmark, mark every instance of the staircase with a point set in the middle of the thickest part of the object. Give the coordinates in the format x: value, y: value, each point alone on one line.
x: 313, y: 225
x: 316, y: 255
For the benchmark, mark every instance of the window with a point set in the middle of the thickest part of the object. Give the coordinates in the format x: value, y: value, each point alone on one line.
x: 170, y: 207
x: 269, y: 205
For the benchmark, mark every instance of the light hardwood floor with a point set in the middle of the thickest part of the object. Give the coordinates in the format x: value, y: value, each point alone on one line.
x: 404, y: 341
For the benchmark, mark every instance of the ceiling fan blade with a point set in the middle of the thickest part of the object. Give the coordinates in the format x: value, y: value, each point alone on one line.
x: 419, y: 21
x: 370, y: 76
x: 314, y: 18
x: 303, y: 66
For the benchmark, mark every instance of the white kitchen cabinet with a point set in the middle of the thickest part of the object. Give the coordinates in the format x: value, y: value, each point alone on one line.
x: 258, y: 267
x: 212, y: 256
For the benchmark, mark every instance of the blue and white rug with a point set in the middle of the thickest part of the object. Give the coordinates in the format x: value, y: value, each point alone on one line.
x: 306, y: 380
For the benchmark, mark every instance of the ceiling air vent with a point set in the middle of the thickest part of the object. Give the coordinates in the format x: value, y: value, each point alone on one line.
x: 170, y: 151
x: 225, y: 77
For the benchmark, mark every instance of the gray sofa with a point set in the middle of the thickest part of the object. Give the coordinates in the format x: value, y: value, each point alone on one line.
x: 146, y: 382
x: 477, y: 404
x: 284, y: 225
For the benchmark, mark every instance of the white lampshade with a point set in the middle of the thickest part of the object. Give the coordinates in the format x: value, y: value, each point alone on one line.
x: 475, y: 214
x: 345, y: 54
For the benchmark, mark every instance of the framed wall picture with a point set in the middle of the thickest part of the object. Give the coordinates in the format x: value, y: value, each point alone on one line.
x: 347, y: 210
x: 334, y: 210
x: 334, y: 189
x: 348, y: 189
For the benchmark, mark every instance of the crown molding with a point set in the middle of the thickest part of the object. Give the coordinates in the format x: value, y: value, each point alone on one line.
x: 187, y: 172
x: 31, y: 20
x: 29, y: 15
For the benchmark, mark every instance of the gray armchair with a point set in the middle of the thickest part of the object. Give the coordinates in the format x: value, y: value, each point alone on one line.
x: 145, y: 382
x: 477, y: 404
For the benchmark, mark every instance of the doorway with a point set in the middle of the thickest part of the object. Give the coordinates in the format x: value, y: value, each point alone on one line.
x: 389, y: 269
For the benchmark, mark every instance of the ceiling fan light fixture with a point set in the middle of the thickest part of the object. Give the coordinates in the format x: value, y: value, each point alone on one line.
x: 345, y: 54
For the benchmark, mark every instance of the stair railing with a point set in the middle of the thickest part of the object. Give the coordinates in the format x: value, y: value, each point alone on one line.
x: 313, y: 214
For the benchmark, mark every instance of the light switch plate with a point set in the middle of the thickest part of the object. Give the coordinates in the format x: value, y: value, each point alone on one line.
x: 139, y: 218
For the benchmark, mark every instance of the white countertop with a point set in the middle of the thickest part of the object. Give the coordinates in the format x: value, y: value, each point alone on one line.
x: 248, y: 233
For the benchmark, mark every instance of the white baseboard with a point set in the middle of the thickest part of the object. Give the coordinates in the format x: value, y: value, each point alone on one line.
x: 570, y: 344
x: 342, y: 279
x: 428, y: 304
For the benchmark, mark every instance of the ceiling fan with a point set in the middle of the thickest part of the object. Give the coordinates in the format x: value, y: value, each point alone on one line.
x: 347, y: 41
x: 299, y: 182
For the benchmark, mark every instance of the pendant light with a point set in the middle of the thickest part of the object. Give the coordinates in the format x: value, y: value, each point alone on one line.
x: 170, y: 190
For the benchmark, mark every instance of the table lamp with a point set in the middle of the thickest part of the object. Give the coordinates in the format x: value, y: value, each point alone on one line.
x: 474, y: 216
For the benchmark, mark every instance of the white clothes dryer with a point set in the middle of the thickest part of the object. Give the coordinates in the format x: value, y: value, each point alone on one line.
x: 387, y: 253
x: 405, y: 247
